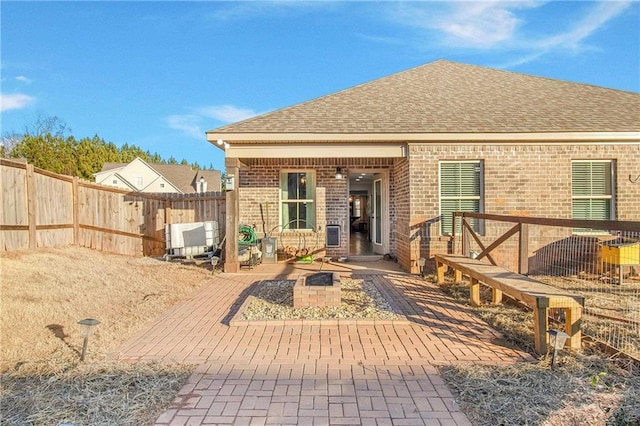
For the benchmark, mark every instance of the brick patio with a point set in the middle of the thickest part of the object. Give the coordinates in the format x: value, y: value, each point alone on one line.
x: 317, y: 372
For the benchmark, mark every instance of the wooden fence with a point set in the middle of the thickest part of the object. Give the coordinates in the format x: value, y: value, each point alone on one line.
x: 44, y: 209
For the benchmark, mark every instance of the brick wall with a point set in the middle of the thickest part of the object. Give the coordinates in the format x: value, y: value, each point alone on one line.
x: 259, y: 200
x: 518, y: 180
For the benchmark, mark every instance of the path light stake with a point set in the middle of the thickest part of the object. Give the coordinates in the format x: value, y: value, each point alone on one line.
x: 422, y: 261
x: 214, y: 263
x: 557, y: 340
x: 88, y: 327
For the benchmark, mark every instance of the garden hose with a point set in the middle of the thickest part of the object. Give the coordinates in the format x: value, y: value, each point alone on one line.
x: 247, y: 235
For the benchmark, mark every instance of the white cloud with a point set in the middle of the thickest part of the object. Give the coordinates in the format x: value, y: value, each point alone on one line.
x: 574, y: 37
x: 232, y: 11
x: 505, y: 25
x: 485, y: 24
x: 23, y: 79
x: 15, y: 101
x: 188, y: 123
x: 479, y: 24
x: 585, y: 27
x: 227, y: 113
x: 193, y: 124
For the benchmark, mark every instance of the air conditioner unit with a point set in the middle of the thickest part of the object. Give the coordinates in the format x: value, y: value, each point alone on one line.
x: 191, y: 239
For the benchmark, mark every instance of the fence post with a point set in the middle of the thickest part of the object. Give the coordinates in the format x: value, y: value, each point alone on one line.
x: 523, y: 249
x: 167, y: 211
x: 76, y: 211
x: 31, y: 205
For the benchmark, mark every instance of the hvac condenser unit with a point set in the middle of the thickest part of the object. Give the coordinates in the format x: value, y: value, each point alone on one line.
x: 191, y: 239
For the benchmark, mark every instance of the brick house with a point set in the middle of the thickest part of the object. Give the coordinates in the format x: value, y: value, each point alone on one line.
x: 378, y: 168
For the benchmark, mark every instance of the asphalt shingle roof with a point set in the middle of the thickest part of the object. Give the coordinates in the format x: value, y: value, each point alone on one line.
x: 450, y: 97
x: 180, y: 175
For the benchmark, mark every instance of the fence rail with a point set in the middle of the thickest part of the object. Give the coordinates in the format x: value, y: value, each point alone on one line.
x: 599, y: 260
x: 44, y: 209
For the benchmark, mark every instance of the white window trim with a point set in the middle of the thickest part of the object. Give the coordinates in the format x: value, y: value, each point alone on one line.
x: 306, y: 200
x: 480, y: 198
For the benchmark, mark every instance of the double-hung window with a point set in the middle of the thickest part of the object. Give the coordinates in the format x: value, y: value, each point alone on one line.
x: 460, y: 190
x: 592, y: 190
x: 297, y: 200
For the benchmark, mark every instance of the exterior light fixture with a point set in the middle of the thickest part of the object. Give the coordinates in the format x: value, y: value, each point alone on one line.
x: 421, y: 262
x: 88, y: 327
x: 226, y: 145
x: 220, y: 142
x: 339, y: 173
x: 557, y: 340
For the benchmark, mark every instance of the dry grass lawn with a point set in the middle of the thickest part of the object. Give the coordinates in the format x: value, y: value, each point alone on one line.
x: 585, y: 388
x: 44, y: 294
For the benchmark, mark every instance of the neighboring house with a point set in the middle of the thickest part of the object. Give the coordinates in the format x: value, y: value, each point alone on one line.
x: 415, y: 146
x: 141, y: 176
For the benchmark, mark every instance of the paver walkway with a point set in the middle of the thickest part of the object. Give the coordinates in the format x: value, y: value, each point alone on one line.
x: 317, y: 373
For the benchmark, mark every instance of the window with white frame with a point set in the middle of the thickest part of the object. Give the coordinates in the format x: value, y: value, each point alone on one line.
x: 592, y: 190
x: 297, y: 200
x: 460, y: 190
x: 139, y: 181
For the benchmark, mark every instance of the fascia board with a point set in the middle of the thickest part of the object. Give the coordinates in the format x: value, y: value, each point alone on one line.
x: 550, y: 138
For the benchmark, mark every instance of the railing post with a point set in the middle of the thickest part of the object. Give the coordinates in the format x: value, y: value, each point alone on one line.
x: 523, y: 249
x: 466, y: 243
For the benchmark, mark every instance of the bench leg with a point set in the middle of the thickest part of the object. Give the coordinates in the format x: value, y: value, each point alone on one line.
x: 440, y: 268
x: 540, y: 321
x: 496, y: 296
x: 475, y: 292
x: 457, y: 276
x: 573, y: 327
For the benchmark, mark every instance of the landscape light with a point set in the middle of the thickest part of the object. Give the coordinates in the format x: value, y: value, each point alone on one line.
x: 422, y: 261
x: 214, y: 263
x: 557, y: 340
x: 88, y: 327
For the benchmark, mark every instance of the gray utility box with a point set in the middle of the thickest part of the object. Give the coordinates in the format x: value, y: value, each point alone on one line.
x: 269, y: 250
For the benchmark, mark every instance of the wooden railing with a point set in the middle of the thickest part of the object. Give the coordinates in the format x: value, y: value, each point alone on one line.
x: 521, y: 229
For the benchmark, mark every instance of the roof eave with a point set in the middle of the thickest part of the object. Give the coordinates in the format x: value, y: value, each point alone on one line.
x: 542, y: 137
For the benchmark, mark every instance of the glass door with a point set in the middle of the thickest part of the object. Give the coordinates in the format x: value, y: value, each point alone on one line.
x: 377, y: 216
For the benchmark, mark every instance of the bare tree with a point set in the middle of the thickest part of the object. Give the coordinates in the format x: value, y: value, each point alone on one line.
x: 47, y: 124
x: 8, y: 141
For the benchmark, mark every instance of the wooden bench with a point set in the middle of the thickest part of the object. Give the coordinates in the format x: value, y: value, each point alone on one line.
x: 541, y: 297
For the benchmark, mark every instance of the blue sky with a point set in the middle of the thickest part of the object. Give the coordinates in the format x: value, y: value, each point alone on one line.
x: 159, y: 74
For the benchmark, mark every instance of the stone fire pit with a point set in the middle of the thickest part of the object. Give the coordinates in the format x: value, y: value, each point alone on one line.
x: 319, y: 289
